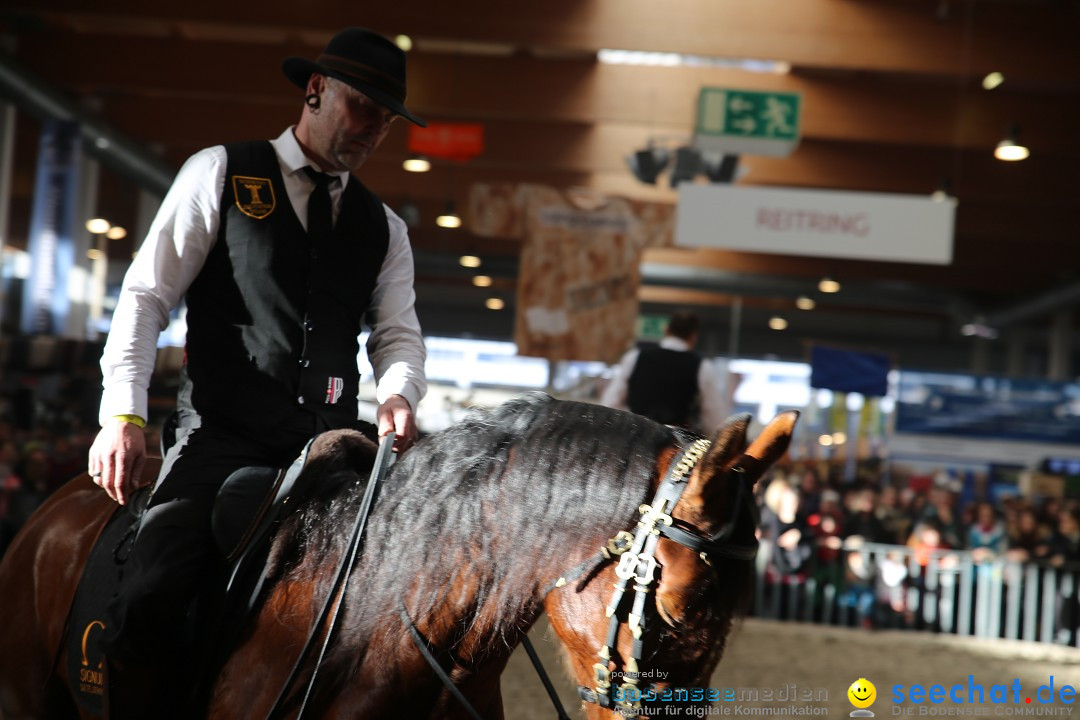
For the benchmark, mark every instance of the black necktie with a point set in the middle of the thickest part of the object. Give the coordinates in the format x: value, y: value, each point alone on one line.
x: 320, y: 219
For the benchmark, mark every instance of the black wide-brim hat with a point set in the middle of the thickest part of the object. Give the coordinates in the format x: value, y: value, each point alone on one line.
x: 361, y: 59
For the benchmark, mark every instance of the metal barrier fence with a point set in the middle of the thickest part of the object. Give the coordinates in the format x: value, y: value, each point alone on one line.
x: 946, y: 591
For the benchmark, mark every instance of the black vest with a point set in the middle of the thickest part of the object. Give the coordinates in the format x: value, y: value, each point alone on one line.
x: 273, y: 318
x: 664, y: 385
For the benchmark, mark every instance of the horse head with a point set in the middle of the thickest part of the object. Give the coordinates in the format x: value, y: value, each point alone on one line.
x: 704, y: 570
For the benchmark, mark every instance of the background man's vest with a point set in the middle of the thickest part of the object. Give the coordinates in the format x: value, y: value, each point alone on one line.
x: 664, y: 385
x: 273, y: 316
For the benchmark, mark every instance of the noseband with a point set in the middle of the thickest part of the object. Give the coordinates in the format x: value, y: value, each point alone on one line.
x: 637, y: 562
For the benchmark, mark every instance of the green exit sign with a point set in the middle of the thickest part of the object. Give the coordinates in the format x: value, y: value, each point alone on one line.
x: 651, y: 327
x: 748, y: 121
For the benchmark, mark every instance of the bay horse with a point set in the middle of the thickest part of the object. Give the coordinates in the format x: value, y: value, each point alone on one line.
x: 470, y: 534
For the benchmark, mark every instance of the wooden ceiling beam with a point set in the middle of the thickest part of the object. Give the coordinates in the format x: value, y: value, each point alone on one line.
x: 546, y: 150
x: 887, y: 35
x: 186, y: 78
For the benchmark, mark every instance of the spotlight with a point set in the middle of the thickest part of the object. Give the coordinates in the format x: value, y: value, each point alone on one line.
x: 482, y: 281
x: 404, y: 42
x: 449, y: 218
x: 495, y: 304
x: 687, y: 165
x: 992, y: 80
x: 720, y: 168
x: 805, y: 303
x: 646, y: 164
x: 469, y: 261
x: 979, y: 329
x: 828, y: 285
x: 98, y: 226
x: 777, y: 323
x: 1009, y: 148
x: 116, y: 233
x: 417, y: 164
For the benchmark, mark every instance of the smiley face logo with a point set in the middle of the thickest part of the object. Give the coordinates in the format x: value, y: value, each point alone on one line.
x: 862, y: 693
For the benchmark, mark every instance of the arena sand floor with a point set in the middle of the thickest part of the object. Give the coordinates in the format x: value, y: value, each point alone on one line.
x: 769, y: 655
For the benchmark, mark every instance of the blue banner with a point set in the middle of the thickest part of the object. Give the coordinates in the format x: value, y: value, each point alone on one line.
x: 988, y: 407
x: 849, y: 371
x: 52, y: 226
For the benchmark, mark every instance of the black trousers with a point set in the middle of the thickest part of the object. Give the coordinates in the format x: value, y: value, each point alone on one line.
x: 147, y: 617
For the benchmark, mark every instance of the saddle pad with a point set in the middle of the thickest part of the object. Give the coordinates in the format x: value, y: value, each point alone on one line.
x: 86, y: 623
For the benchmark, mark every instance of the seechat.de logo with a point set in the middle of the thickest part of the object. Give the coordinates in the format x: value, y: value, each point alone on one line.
x: 862, y: 695
x: 974, y: 693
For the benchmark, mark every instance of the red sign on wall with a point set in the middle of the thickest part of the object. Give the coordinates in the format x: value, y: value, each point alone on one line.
x: 453, y: 141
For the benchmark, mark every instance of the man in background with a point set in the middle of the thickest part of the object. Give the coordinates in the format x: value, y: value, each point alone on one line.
x: 669, y: 382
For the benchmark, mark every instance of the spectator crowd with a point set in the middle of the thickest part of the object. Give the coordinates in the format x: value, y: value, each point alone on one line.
x: 873, y: 542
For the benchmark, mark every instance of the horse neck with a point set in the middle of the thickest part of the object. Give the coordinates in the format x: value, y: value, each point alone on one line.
x: 479, y: 591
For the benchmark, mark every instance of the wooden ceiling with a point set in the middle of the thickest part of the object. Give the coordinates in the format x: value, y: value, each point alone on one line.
x: 892, y: 102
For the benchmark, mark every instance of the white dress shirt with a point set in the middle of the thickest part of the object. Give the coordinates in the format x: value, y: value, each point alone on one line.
x: 180, y: 238
x: 712, y: 404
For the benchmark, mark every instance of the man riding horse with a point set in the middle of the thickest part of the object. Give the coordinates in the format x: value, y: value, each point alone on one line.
x: 280, y: 255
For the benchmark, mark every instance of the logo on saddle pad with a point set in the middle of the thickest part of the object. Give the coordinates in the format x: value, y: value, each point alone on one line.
x: 259, y: 194
x: 91, y: 680
x: 334, y: 386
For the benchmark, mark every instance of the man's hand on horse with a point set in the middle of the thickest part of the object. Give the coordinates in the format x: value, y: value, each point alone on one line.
x: 117, y: 458
x: 396, y: 415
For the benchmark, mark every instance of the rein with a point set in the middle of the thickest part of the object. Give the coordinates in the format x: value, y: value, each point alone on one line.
x: 637, y: 561
x: 341, y: 581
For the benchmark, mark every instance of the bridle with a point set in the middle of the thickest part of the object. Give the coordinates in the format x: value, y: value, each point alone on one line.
x: 637, y: 562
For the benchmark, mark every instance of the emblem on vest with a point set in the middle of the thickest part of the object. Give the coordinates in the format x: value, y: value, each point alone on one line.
x: 334, y: 386
x: 254, y: 196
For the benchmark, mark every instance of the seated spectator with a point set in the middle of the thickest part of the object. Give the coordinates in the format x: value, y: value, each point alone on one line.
x: 810, y: 490
x: 863, y: 521
x: 925, y: 539
x: 787, y: 528
x: 1065, y: 550
x: 33, y: 488
x: 1030, y: 538
x: 826, y: 527
x: 986, y: 536
x: 942, y: 510
x: 1050, y: 511
x: 1064, y: 546
x: 66, y: 460
x: 894, y: 520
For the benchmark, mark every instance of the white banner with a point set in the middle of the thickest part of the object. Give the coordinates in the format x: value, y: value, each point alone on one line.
x: 824, y: 223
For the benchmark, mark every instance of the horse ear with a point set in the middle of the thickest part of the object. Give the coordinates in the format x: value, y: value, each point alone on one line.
x: 705, y: 504
x: 770, y: 445
x: 727, y: 445
x: 702, y: 494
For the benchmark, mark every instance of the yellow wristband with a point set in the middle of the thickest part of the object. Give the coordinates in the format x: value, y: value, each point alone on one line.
x: 133, y: 419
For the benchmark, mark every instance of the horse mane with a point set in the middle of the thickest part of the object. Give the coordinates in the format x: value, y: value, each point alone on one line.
x: 483, y: 513
x: 473, y: 524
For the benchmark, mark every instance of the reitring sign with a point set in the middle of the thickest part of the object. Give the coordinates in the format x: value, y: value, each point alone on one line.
x: 819, y: 223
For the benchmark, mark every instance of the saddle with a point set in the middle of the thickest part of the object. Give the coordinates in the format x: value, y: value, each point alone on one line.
x: 251, y: 503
